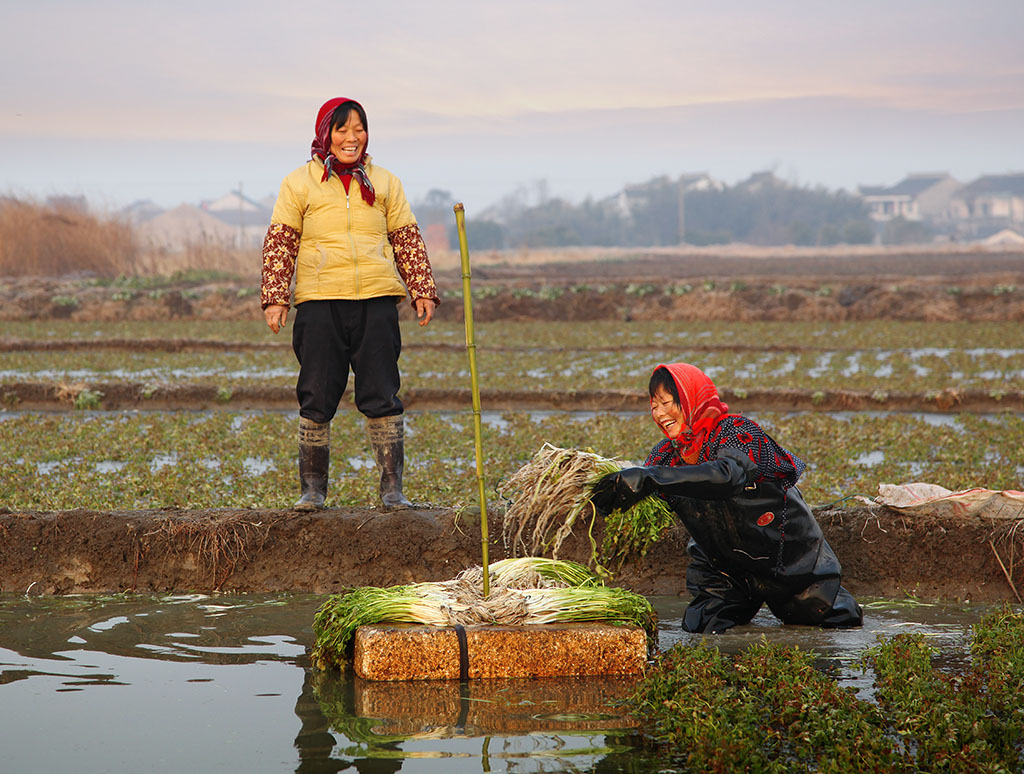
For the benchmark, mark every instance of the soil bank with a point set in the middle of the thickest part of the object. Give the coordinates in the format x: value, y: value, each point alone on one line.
x: 883, y: 552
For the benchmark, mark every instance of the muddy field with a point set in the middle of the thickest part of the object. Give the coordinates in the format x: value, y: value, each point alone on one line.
x: 932, y: 286
x: 884, y: 553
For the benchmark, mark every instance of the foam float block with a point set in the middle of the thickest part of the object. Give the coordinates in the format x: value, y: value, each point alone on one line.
x: 417, y: 652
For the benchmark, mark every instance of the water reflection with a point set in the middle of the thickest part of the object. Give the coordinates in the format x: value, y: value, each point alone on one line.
x: 121, y: 680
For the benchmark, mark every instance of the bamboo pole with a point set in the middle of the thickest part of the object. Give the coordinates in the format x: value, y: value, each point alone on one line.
x: 467, y: 304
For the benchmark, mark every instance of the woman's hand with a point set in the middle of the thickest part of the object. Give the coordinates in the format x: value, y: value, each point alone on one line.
x: 620, y: 490
x: 424, y: 310
x: 276, y: 315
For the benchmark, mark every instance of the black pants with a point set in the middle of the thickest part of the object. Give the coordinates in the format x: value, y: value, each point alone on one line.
x: 723, y: 599
x: 329, y: 337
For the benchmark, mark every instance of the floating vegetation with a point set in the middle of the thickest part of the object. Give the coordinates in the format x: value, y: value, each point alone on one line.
x: 550, y: 496
x: 770, y: 709
x: 563, y: 592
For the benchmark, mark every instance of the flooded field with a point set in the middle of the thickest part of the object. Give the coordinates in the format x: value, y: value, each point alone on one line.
x: 148, y: 435
x: 222, y: 684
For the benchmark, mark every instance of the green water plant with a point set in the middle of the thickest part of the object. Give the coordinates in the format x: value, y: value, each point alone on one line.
x: 963, y: 718
x: 768, y: 709
x: 772, y: 708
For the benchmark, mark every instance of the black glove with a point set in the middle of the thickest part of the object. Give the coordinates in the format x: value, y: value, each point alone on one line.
x: 717, y: 479
x: 621, y: 490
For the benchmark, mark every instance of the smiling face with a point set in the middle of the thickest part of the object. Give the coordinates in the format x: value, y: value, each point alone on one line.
x: 348, y: 140
x: 666, y: 413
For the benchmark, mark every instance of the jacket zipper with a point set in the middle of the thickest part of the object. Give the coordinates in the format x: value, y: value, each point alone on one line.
x: 351, y: 241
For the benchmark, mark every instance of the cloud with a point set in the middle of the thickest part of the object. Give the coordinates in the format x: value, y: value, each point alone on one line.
x: 556, y: 87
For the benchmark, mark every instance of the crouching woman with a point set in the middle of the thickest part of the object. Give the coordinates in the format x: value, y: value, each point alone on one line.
x: 753, y: 539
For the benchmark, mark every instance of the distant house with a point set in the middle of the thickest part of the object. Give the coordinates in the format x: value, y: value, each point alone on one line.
x: 140, y: 211
x: 186, y: 227
x: 921, y: 196
x: 631, y: 197
x: 759, y: 181
x: 991, y: 203
x: 248, y: 219
x: 1005, y: 238
x: 700, y: 181
x: 436, y: 238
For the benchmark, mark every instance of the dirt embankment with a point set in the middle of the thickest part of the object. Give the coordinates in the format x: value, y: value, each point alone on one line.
x: 883, y: 552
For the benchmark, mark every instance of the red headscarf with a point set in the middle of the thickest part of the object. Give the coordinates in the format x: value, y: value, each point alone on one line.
x: 321, y: 150
x: 701, y: 408
x: 707, y: 431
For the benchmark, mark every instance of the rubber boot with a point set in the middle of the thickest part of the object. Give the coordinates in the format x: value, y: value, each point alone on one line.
x: 314, y: 456
x: 387, y: 438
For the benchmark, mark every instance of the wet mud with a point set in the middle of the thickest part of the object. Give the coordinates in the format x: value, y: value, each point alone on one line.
x: 884, y: 552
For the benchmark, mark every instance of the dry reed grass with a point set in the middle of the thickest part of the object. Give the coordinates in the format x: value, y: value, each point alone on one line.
x: 55, y: 240
x: 68, y: 392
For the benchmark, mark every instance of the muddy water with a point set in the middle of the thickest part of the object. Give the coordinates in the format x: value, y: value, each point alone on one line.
x: 222, y: 684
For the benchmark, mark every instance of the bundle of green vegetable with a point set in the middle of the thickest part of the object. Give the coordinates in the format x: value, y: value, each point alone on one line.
x: 551, y: 494
x: 525, y: 590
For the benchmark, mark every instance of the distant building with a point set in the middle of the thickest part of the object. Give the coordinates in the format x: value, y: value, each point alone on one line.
x: 186, y: 227
x: 632, y: 196
x: 249, y: 219
x: 990, y: 204
x: 140, y: 211
x: 436, y: 238
x: 700, y: 181
x: 921, y: 196
x: 761, y: 180
x: 1005, y: 238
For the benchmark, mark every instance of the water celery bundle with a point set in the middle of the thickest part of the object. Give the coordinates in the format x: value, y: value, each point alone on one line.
x: 550, y: 495
x: 524, y: 590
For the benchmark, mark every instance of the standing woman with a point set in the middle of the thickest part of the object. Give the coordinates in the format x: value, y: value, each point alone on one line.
x: 343, y: 226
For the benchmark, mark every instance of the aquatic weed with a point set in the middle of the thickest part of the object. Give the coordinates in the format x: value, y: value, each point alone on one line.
x: 966, y: 716
x: 771, y: 709
x: 768, y: 709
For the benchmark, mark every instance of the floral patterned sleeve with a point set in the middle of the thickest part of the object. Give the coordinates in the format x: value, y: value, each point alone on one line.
x: 413, y: 263
x: 279, y: 250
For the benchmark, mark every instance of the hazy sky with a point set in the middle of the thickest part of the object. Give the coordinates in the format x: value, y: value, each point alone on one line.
x: 123, y: 100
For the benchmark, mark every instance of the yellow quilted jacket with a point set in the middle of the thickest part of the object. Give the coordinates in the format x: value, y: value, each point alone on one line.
x: 344, y: 250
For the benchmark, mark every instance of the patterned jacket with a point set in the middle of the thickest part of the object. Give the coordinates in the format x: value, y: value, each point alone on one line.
x: 340, y: 247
